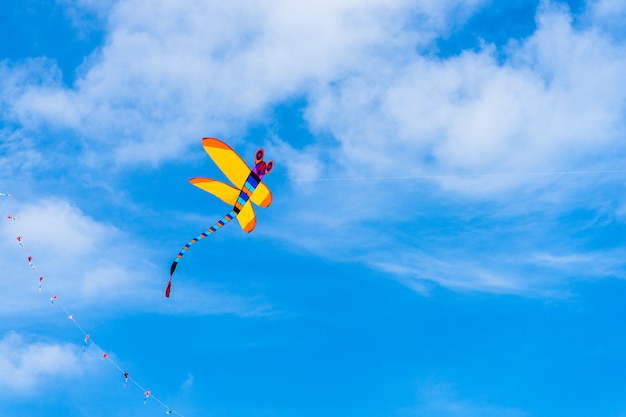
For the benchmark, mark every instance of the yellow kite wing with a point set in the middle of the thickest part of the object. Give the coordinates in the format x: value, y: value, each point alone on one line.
x: 261, y: 196
x: 224, y: 192
x: 246, y: 217
x: 231, y: 164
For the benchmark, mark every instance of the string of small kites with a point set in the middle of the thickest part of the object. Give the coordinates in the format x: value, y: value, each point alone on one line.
x: 55, y: 300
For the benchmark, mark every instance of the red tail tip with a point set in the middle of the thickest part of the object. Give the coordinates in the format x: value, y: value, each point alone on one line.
x: 168, y: 289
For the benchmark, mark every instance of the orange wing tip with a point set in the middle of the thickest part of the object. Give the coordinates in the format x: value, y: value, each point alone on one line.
x: 267, y: 201
x: 250, y: 226
x: 200, y: 180
x: 214, y: 143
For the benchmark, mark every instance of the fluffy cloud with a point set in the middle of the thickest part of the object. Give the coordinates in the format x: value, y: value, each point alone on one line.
x: 23, y: 365
x: 170, y: 72
x: 555, y: 103
x: 390, y: 106
x: 80, y: 258
x: 91, y: 263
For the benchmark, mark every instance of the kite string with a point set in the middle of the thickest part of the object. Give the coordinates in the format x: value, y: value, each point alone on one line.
x: 56, y: 301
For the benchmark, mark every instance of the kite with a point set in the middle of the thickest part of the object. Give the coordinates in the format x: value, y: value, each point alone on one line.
x: 19, y: 240
x: 30, y: 262
x: 247, y: 188
x: 6, y: 195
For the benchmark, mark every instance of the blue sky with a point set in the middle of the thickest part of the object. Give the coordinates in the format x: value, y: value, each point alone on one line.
x: 447, y: 235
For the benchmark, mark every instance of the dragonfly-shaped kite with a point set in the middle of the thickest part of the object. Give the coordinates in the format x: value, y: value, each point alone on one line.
x: 247, y: 188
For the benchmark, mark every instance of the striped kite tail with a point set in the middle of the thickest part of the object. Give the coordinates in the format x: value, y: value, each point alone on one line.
x: 202, y: 235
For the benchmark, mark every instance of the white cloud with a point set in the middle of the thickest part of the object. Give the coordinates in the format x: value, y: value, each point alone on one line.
x: 524, y: 243
x: 25, y: 365
x: 171, y: 72
x: 510, y: 271
x: 555, y: 103
x: 90, y: 263
x: 71, y: 250
x: 557, y: 97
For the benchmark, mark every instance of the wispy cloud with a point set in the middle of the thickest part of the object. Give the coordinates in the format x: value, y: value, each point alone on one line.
x: 440, y: 399
x: 545, y: 108
x: 188, y: 384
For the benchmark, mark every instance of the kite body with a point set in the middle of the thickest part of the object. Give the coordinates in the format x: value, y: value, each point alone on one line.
x: 247, y: 188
